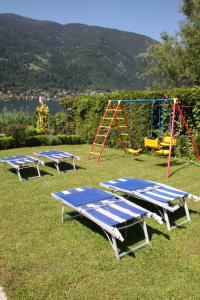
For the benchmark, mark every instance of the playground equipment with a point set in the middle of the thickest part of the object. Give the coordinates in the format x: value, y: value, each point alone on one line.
x: 115, y: 115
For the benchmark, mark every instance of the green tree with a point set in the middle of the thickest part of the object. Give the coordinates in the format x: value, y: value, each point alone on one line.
x: 175, y: 61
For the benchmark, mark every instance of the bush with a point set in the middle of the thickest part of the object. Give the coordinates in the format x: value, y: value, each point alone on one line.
x: 40, y: 140
x: 31, y: 130
x: 37, y: 140
x: 70, y: 139
x: 18, y: 132
x: 7, y: 142
x: 62, y: 123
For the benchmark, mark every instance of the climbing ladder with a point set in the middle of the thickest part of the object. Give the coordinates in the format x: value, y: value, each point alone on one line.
x: 114, y: 115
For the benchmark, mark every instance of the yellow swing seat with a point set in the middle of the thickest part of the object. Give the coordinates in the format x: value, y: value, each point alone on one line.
x: 162, y: 152
x: 134, y: 151
x: 166, y: 141
x: 151, y: 143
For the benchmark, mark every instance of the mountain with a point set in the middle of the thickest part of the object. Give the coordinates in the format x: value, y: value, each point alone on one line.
x: 44, y: 54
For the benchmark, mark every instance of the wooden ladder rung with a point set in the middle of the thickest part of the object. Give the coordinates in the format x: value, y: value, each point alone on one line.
x: 113, y: 109
x: 97, y: 144
x: 101, y: 135
x: 94, y: 153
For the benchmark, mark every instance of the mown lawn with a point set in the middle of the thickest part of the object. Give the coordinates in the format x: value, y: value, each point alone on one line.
x: 43, y: 258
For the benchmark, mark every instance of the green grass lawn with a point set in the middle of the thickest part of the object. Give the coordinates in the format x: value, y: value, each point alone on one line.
x: 43, y: 258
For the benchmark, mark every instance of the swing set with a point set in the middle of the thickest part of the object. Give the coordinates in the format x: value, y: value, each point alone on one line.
x: 115, y: 116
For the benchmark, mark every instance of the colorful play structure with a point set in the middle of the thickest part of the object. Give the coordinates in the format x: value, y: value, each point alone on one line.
x: 115, y: 117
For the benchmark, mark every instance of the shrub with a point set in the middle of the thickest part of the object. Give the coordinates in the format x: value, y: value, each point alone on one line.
x: 62, y: 123
x: 37, y: 140
x: 43, y: 140
x: 18, y: 132
x: 53, y: 140
x: 7, y: 142
x: 31, y: 130
x: 70, y: 139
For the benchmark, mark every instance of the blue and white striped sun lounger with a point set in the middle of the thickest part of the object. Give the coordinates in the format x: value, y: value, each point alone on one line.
x: 107, y: 210
x: 20, y: 162
x: 163, y: 196
x: 56, y: 156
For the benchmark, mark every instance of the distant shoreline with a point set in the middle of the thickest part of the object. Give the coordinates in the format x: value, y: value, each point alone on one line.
x: 27, y: 106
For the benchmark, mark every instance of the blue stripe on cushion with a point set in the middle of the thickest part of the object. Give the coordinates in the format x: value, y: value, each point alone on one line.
x: 89, y: 195
x: 180, y: 193
x: 113, y: 211
x: 162, y: 191
x: 154, y: 197
x: 50, y: 152
x: 23, y: 158
x: 14, y: 157
x: 55, y: 152
x: 106, y: 220
x: 130, y: 207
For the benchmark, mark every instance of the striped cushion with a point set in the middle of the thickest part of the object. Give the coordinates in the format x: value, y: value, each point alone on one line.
x: 164, y: 194
x: 145, y: 189
x: 100, y: 205
x: 56, y: 154
x: 19, y: 160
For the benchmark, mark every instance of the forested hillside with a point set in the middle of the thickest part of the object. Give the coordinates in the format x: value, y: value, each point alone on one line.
x: 43, y: 54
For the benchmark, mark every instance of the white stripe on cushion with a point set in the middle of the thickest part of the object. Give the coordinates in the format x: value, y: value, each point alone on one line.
x: 106, y: 213
x: 170, y: 193
x: 66, y: 192
x: 122, y: 209
x: 159, y: 196
x: 79, y: 189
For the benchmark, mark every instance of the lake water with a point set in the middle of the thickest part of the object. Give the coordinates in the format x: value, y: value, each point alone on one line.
x: 28, y: 106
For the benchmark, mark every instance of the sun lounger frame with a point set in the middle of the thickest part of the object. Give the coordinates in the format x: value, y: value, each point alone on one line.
x: 163, y: 208
x: 113, y: 233
x: 23, y: 165
x: 57, y: 161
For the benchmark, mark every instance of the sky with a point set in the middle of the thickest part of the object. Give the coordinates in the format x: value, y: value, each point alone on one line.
x: 147, y: 17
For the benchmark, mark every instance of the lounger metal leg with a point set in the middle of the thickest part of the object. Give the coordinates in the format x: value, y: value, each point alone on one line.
x: 144, y: 225
x: 166, y: 217
x: 188, y: 219
x: 18, y: 173
x: 57, y: 167
x: 115, y: 248
x: 147, y: 241
x: 187, y: 211
x: 37, y: 166
x: 73, y: 162
x: 62, y: 212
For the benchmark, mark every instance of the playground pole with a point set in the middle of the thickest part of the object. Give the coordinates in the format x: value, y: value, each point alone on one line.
x: 171, y: 136
x: 188, y: 131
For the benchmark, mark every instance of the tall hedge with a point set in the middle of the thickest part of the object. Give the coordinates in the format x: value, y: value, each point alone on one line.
x: 88, y: 111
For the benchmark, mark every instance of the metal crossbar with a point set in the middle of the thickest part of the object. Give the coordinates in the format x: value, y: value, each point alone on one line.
x: 144, y: 100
